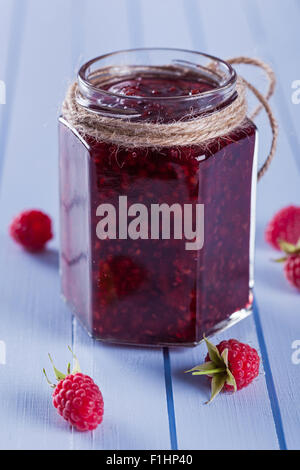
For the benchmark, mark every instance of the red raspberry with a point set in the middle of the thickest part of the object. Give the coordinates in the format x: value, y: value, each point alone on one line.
x: 31, y: 229
x: 243, y: 362
x: 292, y: 270
x: 285, y: 225
x: 291, y: 261
x: 78, y: 399
x: 231, y: 365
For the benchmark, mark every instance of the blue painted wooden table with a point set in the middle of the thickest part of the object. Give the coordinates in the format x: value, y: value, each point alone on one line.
x: 149, y: 402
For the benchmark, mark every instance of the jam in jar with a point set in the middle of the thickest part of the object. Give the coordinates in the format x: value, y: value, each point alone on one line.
x: 132, y: 267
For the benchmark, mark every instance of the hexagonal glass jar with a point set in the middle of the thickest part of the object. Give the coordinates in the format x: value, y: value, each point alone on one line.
x: 138, y: 284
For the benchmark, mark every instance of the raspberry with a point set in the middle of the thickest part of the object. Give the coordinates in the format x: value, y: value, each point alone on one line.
x: 231, y: 365
x: 32, y: 229
x: 292, y: 270
x: 77, y: 399
x: 291, y: 262
x: 243, y: 362
x: 285, y: 225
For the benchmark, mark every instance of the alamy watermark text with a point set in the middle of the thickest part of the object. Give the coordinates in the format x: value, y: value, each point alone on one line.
x: 296, y: 92
x: 158, y: 222
x: 296, y: 353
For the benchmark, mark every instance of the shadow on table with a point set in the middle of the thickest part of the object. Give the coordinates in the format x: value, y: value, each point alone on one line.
x: 49, y: 257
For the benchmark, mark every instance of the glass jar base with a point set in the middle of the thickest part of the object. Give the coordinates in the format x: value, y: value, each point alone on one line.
x: 233, y: 319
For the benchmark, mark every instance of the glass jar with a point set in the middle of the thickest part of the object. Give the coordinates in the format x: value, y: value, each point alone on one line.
x: 130, y: 272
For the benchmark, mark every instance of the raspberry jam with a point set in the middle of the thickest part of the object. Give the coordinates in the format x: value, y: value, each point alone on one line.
x: 146, y: 290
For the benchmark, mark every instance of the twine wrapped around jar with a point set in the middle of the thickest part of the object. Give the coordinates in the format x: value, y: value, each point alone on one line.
x: 195, y: 131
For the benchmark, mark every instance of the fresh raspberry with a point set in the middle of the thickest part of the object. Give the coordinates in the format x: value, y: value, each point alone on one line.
x: 243, y: 362
x: 291, y: 260
x: 231, y: 365
x: 77, y: 399
x: 292, y: 270
x: 32, y: 229
x: 285, y: 225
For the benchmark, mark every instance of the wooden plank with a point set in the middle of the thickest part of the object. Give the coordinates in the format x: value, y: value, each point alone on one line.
x: 277, y: 32
x: 278, y: 302
x: 283, y: 168
x: 131, y: 379
x: 132, y: 383
x: 6, y: 7
x: 164, y: 24
x: 242, y: 421
x: 232, y: 422
x: 10, y: 47
x: 107, y: 28
x: 33, y: 317
x: 52, y: 48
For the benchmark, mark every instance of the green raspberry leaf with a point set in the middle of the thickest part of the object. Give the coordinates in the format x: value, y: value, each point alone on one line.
x: 50, y: 383
x: 76, y: 366
x: 59, y: 375
x: 217, y: 368
x: 217, y: 383
x: 289, y: 248
x: 214, y: 354
x: 224, y: 356
x: 280, y: 260
x: 231, y: 380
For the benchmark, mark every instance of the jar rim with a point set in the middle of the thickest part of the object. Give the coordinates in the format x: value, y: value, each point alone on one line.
x: 84, y: 71
x: 161, y: 59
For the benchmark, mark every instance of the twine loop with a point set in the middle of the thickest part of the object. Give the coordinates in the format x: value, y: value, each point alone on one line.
x: 195, y: 131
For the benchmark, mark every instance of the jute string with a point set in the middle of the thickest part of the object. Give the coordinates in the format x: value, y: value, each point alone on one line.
x: 263, y: 104
x: 195, y: 131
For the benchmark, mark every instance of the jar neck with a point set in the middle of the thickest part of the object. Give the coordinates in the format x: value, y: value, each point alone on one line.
x: 100, y: 84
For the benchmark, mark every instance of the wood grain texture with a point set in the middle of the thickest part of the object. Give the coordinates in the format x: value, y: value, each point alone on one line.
x: 132, y: 383
x: 42, y: 45
x: 257, y: 30
x: 244, y: 421
x: 132, y: 379
x: 278, y: 302
x: 231, y: 424
x: 10, y: 46
x: 33, y: 317
x: 6, y: 8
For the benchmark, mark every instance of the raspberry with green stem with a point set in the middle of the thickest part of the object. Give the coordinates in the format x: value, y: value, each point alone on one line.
x: 231, y: 365
x: 76, y: 397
